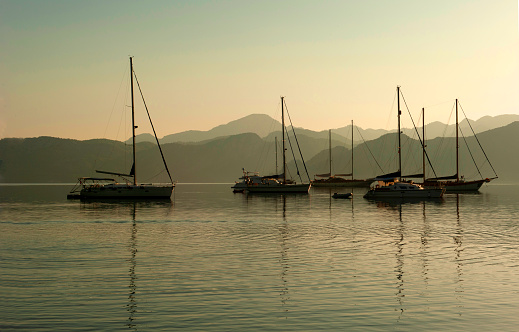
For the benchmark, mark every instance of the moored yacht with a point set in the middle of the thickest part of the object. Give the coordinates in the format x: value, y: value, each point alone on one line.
x: 91, y: 187
x: 253, y: 183
x: 391, y: 185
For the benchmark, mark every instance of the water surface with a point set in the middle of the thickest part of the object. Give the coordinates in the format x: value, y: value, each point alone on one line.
x: 213, y: 260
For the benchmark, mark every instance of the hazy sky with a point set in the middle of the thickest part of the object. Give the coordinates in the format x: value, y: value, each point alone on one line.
x: 204, y: 63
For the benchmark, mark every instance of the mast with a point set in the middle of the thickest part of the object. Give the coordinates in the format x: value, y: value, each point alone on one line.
x: 457, y: 145
x: 133, y: 123
x: 330, y: 149
x: 423, y: 143
x: 283, y: 139
x: 276, y: 149
x: 399, y: 146
x: 352, y: 149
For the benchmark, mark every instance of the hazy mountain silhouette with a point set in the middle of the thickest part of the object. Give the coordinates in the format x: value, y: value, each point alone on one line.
x: 265, y: 126
x: 259, y: 124
x: 48, y: 159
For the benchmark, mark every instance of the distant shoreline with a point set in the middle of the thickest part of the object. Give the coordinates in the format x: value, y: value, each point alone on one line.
x: 4, y: 184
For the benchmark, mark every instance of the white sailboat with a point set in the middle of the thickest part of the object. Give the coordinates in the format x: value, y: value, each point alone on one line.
x: 338, y: 180
x: 253, y: 183
x: 455, y: 183
x: 94, y: 187
x: 391, y: 185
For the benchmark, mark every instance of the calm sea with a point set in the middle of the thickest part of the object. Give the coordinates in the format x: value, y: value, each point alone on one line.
x: 213, y: 260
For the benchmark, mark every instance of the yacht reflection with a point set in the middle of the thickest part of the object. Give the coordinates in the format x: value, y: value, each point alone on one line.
x: 131, y: 307
x: 398, y: 202
x: 399, y: 268
x: 424, y: 248
x: 125, y: 207
x: 284, y: 261
x: 458, y: 241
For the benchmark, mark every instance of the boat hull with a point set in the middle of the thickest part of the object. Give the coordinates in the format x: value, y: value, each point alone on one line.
x: 279, y: 189
x: 336, y: 195
x: 457, y: 186
x: 127, y: 192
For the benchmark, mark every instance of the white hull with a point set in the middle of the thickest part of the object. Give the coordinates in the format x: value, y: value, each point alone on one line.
x: 127, y: 191
x: 279, y: 189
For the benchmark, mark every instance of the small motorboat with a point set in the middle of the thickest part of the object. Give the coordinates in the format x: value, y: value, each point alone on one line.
x: 337, y: 195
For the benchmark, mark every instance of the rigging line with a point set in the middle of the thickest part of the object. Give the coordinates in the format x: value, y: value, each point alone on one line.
x: 262, y: 161
x: 470, y: 152
x: 154, y: 176
x: 293, y: 155
x: 367, y: 146
x: 421, y: 142
x: 123, y: 79
x: 477, y: 139
x: 294, y: 131
x: 442, y: 140
x: 153, y: 128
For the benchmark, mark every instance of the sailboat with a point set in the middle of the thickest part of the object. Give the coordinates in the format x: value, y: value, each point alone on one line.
x: 97, y: 187
x: 329, y: 181
x: 253, y: 183
x: 391, y: 185
x: 455, y: 183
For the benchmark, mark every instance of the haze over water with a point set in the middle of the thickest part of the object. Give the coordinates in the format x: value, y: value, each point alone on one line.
x: 213, y: 260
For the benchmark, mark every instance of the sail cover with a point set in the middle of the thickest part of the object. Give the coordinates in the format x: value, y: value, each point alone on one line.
x: 350, y: 174
x: 452, y: 177
x: 326, y: 175
x: 388, y: 177
x: 275, y: 176
x: 420, y: 175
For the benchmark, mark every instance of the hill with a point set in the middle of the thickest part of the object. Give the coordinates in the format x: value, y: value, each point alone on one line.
x: 48, y: 159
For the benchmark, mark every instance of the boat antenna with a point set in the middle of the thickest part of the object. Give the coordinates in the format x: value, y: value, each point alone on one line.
x: 399, y: 143
x: 330, y: 148
x: 283, y: 140
x: 133, y: 170
x: 423, y: 143
x: 352, y: 149
x: 457, y: 145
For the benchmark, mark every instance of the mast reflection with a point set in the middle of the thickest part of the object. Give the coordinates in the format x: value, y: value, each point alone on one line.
x: 131, y: 307
x: 458, y: 240
x: 284, y: 261
x: 399, y: 268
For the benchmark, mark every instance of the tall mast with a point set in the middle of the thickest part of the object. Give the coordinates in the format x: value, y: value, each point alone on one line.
x: 352, y: 149
x: 457, y: 145
x: 283, y: 139
x: 330, y: 149
x: 399, y: 146
x: 276, y: 149
x: 133, y: 123
x: 423, y: 143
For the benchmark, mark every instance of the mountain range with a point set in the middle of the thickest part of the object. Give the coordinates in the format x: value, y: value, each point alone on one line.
x: 266, y: 127
x: 222, y: 158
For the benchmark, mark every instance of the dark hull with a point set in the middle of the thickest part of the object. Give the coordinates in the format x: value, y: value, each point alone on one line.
x: 458, y: 186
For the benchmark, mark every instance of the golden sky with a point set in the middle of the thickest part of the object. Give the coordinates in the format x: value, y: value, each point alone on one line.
x: 204, y: 63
